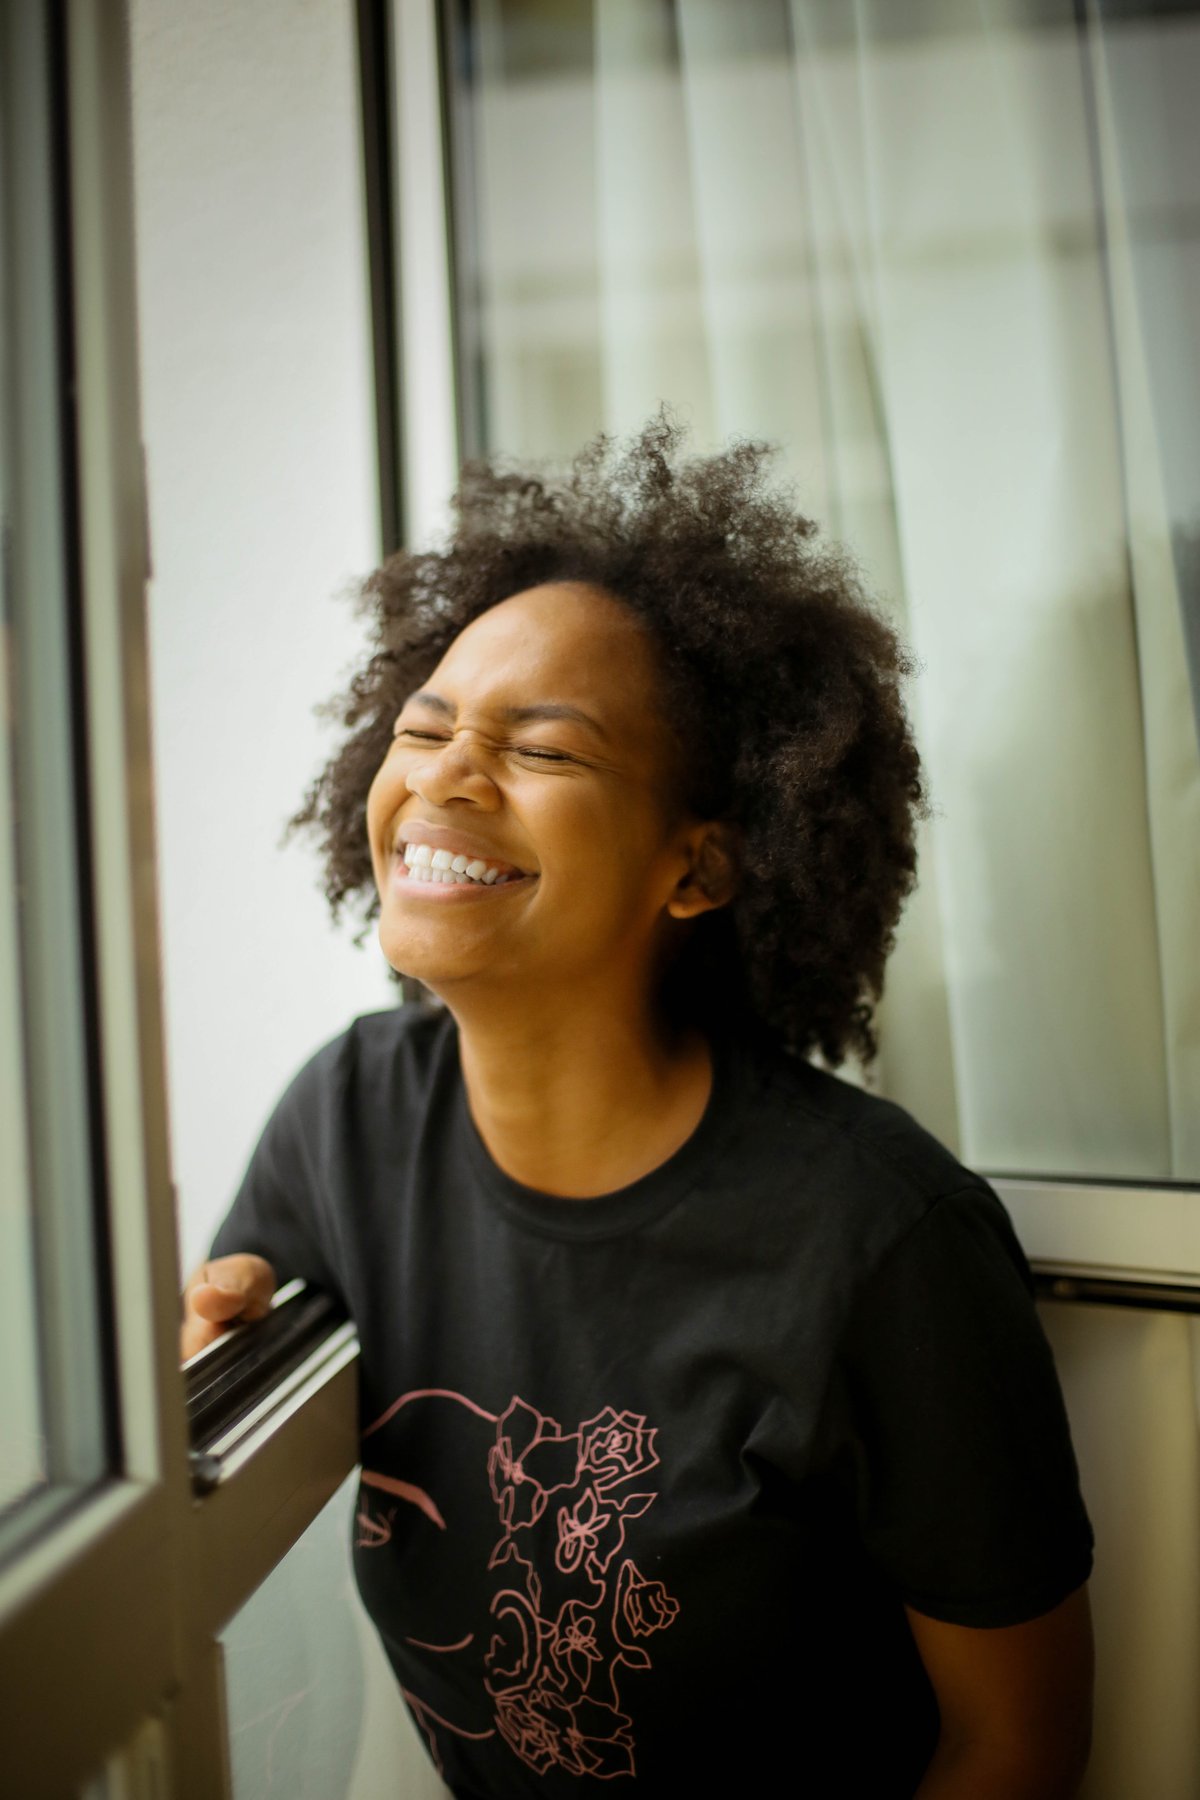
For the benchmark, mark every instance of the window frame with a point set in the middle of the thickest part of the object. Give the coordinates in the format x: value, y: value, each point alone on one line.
x: 118, y: 1599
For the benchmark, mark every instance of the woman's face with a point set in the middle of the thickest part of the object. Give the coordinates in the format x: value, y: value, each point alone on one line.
x: 538, y: 745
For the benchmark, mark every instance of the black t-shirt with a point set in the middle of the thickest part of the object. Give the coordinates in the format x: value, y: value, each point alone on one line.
x: 648, y: 1479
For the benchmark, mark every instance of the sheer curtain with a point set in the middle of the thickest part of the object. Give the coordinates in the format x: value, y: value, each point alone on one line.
x: 887, y: 253
x: 952, y: 271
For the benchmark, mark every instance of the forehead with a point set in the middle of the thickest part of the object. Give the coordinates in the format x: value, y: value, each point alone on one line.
x: 560, y: 641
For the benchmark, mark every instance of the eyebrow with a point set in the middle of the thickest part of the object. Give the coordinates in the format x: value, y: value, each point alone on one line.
x: 519, y: 715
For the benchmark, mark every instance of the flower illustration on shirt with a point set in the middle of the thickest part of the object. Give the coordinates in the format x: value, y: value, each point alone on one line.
x: 575, y: 1649
x: 640, y: 1607
x: 613, y: 1446
x: 592, y: 1531
x: 529, y: 1460
x: 569, y: 1612
x: 580, y: 1528
x: 530, y: 1730
x: 584, y: 1737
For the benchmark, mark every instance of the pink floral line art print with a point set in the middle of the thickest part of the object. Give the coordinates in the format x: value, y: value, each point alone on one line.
x: 566, y: 1613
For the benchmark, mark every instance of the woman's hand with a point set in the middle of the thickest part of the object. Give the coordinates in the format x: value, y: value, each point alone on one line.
x: 230, y: 1290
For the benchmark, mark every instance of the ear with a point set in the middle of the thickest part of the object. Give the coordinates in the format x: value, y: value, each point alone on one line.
x: 711, y: 879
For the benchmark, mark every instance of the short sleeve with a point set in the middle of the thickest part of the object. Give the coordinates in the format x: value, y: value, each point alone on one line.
x: 948, y: 1407
x: 281, y: 1209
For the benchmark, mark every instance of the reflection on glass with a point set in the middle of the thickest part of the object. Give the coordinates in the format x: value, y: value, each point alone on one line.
x: 314, y: 1713
x: 946, y: 258
x: 55, y: 1432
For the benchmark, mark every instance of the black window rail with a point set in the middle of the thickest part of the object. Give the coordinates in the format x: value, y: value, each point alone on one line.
x: 1104, y: 1290
x: 226, y: 1382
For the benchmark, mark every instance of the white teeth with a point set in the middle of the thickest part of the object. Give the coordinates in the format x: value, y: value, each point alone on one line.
x: 424, y: 863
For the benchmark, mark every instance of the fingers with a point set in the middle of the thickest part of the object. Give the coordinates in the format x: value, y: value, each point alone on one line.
x: 195, y: 1335
x: 225, y: 1291
x: 213, y: 1301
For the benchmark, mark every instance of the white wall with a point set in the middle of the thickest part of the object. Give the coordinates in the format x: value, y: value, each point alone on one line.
x: 258, y: 419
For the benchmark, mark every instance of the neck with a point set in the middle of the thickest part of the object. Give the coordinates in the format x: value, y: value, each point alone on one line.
x: 578, y: 1100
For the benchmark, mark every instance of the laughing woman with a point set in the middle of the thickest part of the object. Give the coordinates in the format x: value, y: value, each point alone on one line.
x: 710, y: 1441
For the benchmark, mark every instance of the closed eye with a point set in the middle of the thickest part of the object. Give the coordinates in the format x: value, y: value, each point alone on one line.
x: 437, y: 737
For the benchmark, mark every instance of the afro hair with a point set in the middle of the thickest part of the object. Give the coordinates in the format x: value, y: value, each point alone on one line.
x: 782, y: 678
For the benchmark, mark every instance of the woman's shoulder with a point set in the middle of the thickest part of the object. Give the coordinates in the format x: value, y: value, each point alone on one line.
x: 859, y: 1153
x: 393, y: 1051
x: 856, y: 1186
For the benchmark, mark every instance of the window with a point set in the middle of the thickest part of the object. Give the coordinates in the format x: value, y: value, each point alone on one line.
x: 60, y: 1426
x: 121, y: 1558
x: 947, y: 260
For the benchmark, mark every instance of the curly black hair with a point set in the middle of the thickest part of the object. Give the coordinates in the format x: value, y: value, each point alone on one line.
x: 782, y: 679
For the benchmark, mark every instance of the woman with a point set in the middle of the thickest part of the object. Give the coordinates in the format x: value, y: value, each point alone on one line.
x: 709, y: 1435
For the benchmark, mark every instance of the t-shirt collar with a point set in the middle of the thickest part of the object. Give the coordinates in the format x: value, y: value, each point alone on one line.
x: 627, y: 1208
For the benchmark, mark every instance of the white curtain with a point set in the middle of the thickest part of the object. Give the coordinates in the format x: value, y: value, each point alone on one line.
x: 885, y: 253
x: 907, y: 256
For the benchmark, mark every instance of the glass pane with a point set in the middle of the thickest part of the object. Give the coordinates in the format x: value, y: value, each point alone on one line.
x: 55, y: 1426
x: 1150, y: 72
x: 946, y: 259
x: 314, y: 1711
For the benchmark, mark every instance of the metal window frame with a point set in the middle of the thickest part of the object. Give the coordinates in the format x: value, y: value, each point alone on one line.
x: 59, y: 1132
x: 108, y: 1617
x: 377, y: 112
x: 429, y: 426
x: 1115, y: 1243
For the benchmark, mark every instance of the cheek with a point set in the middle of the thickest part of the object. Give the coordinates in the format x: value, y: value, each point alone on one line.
x: 609, y: 858
x: 382, y: 800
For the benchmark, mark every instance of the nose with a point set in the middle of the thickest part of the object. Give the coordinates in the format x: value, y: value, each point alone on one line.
x: 453, y: 770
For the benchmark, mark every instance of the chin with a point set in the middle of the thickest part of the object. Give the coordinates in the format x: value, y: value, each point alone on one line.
x: 417, y: 964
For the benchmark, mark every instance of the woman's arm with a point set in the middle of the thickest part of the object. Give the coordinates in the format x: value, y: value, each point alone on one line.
x: 1015, y: 1703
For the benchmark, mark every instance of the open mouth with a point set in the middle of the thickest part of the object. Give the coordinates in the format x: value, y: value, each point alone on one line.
x: 441, y: 869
